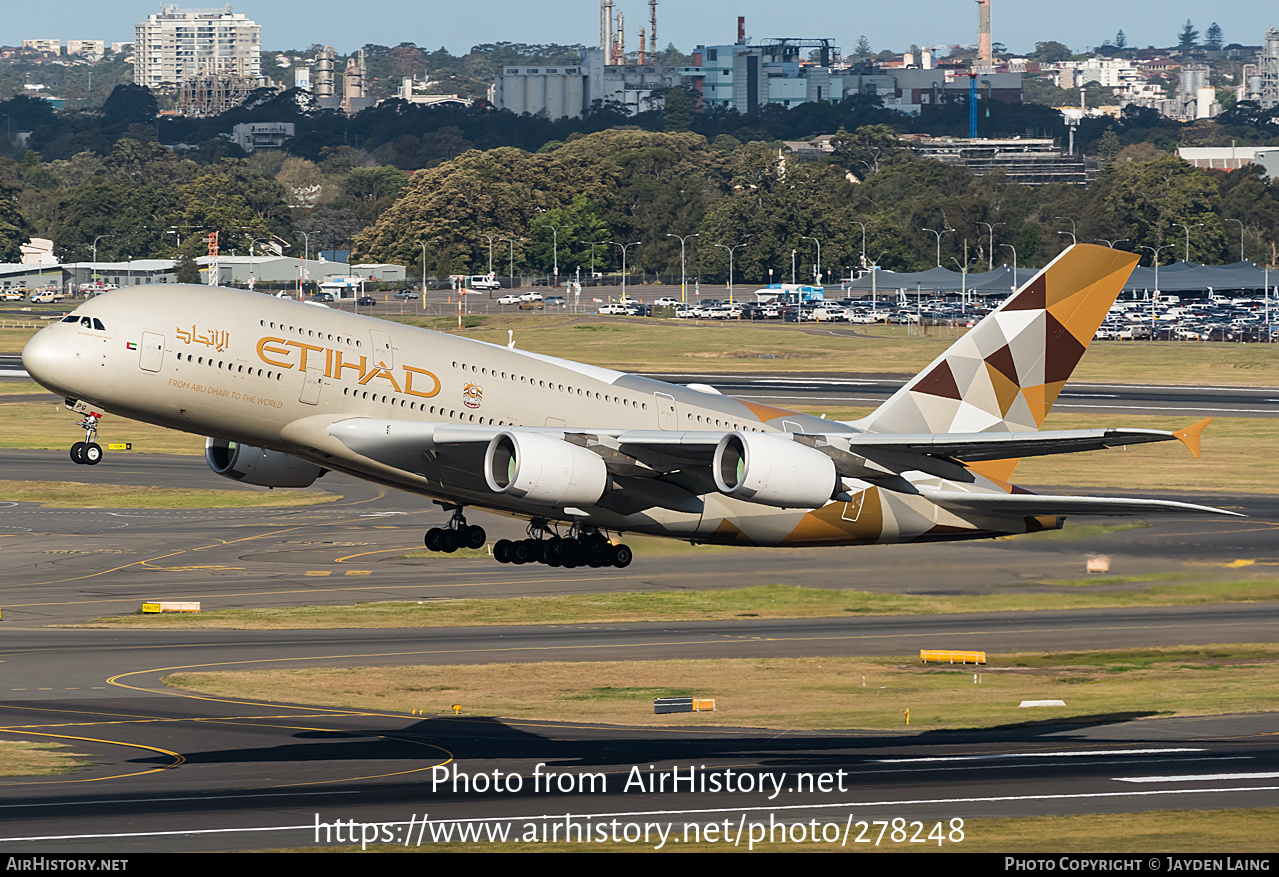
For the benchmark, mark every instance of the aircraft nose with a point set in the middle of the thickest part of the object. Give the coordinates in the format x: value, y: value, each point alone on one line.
x: 47, y: 359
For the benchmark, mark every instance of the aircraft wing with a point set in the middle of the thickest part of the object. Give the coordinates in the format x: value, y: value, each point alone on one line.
x: 1031, y: 504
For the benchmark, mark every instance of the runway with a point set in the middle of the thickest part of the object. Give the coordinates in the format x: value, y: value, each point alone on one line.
x: 177, y: 772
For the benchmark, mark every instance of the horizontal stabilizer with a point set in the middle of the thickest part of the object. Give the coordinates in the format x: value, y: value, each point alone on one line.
x: 1032, y: 504
x: 977, y: 446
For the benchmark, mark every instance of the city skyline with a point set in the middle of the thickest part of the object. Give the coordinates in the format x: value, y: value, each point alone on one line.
x: 289, y: 24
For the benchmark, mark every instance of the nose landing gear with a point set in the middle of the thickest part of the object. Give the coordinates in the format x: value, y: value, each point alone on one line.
x: 88, y: 452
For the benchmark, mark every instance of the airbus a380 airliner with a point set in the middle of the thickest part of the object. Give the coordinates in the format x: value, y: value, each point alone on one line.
x: 285, y: 392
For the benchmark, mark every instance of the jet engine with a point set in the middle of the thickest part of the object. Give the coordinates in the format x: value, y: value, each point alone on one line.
x: 544, y: 470
x: 773, y: 471
x: 258, y: 465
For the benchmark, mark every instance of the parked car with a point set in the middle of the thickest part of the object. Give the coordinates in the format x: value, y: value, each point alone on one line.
x: 405, y: 295
x: 509, y: 300
x: 531, y: 296
x: 366, y: 301
x: 322, y: 296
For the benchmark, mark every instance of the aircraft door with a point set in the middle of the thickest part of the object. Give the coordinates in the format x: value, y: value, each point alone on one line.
x: 312, y: 380
x: 151, y: 354
x: 667, y: 417
x: 383, y: 353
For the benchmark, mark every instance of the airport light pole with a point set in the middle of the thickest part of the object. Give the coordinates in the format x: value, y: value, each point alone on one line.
x: 963, y: 288
x: 1073, y: 239
x: 511, y: 267
x: 939, y: 234
x: 730, y: 265
x: 555, y: 245
x: 863, y: 225
x: 683, y: 276
x: 1014, y: 249
x: 624, y: 246
x: 490, y: 237
x: 992, y: 237
x: 817, y: 269
x: 253, y: 262
x: 1111, y: 243
x: 874, y: 277
x: 1187, y: 228
x: 1155, y: 295
x: 94, y: 278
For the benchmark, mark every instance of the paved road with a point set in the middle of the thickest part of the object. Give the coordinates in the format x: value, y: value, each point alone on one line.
x: 175, y: 772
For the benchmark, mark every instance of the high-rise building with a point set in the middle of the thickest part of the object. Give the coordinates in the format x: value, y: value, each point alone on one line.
x: 178, y: 43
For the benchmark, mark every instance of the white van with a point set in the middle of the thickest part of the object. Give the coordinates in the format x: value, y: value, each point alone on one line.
x: 482, y: 281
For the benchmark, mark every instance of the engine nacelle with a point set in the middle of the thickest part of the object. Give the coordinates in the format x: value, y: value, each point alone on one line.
x: 544, y: 470
x: 258, y: 465
x: 762, y: 468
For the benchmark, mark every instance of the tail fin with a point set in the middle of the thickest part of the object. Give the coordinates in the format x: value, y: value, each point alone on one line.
x: 1005, y: 374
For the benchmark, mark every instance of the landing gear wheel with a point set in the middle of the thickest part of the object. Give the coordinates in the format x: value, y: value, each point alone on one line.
x: 77, y: 452
x: 92, y: 454
x: 502, y: 550
x: 620, y: 555
x: 448, y: 541
x: 472, y: 537
x: 432, y: 539
x: 594, y: 549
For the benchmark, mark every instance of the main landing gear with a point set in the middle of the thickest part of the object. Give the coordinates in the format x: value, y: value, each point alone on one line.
x: 88, y: 452
x: 458, y: 533
x: 584, y: 546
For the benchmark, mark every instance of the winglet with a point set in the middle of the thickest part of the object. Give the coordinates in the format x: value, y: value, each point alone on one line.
x: 1190, y: 436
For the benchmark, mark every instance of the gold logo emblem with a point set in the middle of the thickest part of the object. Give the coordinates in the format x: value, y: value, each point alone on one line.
x: 472, y: 395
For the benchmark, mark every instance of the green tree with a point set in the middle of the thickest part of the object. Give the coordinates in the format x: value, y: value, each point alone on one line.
x: 1213, y: 38
x: 1121, y: 41
x: 13, y: 228
x: 1050, y: 50
x: 679, y: 110
x: 1189, y: 37
x: 578, y: 225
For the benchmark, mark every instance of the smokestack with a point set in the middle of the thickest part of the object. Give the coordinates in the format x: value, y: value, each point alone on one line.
x: 984, y: 55
x: 741, y: 30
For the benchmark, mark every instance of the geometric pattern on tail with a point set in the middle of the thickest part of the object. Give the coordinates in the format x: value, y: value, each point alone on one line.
x: 1005, y: 373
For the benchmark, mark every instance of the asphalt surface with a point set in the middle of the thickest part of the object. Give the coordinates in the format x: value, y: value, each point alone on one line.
x: 178, y: 772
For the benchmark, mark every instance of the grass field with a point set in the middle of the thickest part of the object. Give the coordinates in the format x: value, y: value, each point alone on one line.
x: 24, y: 758
x: 52, y: 426
x: 74, y: 495
x: 761, y: 601
x: 796, y: 693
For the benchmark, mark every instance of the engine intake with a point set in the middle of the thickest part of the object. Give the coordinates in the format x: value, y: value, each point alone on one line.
x: 773, y: 471
x: 258, y: 465
x: 544, y: 470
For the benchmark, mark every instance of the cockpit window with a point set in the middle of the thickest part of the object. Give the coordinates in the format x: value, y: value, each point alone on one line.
x: 71, y: 318
x: 86, y: 322
x: 97, y: 324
